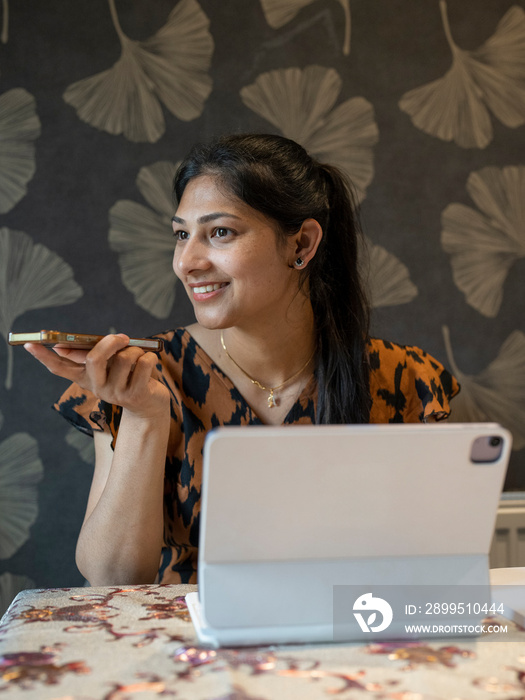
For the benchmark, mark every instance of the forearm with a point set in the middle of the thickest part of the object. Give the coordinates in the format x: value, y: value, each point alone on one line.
x: 121, y: 538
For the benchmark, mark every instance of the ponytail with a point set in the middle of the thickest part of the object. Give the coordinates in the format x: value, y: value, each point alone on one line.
x: 277, y: 177
x: 341, y: 310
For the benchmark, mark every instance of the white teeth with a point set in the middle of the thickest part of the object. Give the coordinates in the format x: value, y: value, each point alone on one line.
x: 207, y: 288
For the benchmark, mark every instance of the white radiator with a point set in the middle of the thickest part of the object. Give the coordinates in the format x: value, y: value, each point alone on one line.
x: 508, y: 543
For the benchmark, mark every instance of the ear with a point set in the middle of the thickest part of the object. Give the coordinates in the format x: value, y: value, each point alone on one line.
x: 307, y: 241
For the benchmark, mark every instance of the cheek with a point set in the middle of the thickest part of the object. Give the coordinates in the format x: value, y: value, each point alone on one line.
x: 251, y: 271
x: 232, y: 265
x: 271, y: 274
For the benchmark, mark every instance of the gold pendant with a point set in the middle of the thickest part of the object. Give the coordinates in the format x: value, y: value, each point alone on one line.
x: 271, y: 400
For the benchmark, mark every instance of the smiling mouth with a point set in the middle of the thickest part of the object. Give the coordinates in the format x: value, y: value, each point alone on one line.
x: 208, y: 288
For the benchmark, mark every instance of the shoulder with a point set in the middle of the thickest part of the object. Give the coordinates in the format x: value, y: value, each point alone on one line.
x: 173, y: 340
x: 407, y: 384
x: 185, y: 365
x: 181, y: 340
x: 385, y: 354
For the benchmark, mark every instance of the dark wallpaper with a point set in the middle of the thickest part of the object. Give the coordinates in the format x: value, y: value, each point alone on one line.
x: 422, y: 102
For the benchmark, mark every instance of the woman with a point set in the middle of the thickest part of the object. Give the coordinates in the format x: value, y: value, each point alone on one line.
x: 267, y: 249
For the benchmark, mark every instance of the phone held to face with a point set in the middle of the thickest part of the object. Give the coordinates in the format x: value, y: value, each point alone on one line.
x: 80, y: 341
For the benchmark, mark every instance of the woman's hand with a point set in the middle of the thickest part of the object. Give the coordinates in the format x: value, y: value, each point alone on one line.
x: 113, y: 371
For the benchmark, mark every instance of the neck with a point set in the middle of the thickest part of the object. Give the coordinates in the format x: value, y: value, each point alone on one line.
x: 273, y: 353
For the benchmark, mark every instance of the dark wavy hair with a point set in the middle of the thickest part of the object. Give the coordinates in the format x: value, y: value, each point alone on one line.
x: 277, y: 177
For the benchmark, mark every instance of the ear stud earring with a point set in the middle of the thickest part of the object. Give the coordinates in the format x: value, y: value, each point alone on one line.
x: 299, y: 262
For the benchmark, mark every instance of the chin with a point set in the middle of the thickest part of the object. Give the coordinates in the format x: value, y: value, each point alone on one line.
x: 211, y: 324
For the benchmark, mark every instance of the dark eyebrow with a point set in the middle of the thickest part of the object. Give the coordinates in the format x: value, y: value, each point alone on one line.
x: 206, y: 218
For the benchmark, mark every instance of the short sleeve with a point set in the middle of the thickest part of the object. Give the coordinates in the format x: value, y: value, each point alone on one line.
x: 408, y: 385
x: 86, y: 412
x: 89, y: 414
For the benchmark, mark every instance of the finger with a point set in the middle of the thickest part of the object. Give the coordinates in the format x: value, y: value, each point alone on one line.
x: 99, y: 358
x: 61, y: 366
x: 145, y: 369
x: 109, y: 345
x: 121, y: 366
x: 74, y: 354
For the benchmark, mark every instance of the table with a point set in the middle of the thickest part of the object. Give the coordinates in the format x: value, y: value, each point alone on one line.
x: 122, y: 643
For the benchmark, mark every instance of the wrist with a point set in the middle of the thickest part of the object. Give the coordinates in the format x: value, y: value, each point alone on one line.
x: 156, y: 419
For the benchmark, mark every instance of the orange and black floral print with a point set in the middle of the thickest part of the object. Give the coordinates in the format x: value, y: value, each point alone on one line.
x: 407, y: 386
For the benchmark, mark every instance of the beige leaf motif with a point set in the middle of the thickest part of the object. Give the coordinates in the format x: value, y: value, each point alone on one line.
x: 280, y: 12
x: 300, y: 103
x: 31, y: 277
x: 484, y: 245
x: 170, y: 67
x: 20, y: 472
x: 144, y: 242
x: 19, y: 128
x: 456, y: 107
x: 83, y: 444
x: 10, y: 587
x: 497, y: 393
x: 387, y: 278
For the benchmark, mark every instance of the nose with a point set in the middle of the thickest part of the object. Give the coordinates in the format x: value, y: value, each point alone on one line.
x: 190, y: 255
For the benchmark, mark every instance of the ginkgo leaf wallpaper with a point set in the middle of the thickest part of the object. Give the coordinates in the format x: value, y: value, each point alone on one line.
x: 422, y: 102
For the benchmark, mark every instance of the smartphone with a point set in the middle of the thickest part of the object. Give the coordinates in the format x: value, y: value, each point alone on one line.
x: 80, y: 341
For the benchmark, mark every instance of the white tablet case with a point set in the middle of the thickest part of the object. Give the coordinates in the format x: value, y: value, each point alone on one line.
x: 289, y: 512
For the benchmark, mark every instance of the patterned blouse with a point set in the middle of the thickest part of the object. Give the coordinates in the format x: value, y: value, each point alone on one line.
x: 407, y: 386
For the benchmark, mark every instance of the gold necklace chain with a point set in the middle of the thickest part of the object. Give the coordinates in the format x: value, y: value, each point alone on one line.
x: 271, y: 399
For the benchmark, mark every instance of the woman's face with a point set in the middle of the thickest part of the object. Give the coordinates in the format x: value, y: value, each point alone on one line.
x: 228, y: 256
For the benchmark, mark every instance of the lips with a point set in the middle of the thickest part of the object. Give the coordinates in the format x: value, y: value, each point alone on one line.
x: 208, y: 288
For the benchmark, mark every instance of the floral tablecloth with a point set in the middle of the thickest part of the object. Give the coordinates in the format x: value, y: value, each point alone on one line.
x: 117, y: 643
